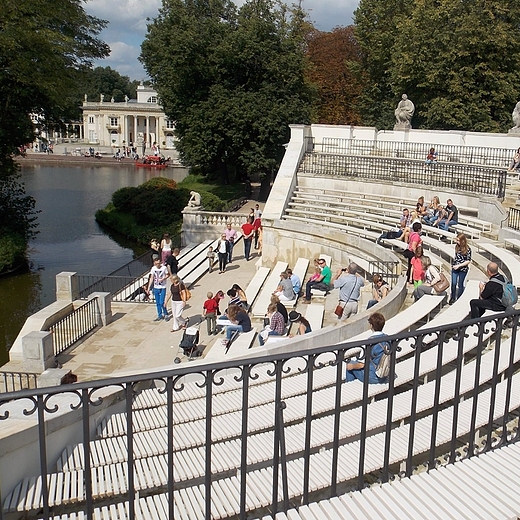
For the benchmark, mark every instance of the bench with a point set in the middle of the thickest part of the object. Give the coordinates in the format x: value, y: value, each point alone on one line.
x: 314, y: 315
x: 447, y: 492
x: 510, y: 262
x: 264, y: 298
x: 199, y: 264
x: 328, y: 261
x: 255, y: 284
x: 154, y: 473
x: 513, y: 243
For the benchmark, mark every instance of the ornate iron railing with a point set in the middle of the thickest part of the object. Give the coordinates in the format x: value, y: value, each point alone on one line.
x: 74, y: 326
x: 498, y: 157
x: 341, y: 436
x: 473, y: 178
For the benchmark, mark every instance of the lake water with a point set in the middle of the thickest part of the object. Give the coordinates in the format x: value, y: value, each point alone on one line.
x: 70, y: 239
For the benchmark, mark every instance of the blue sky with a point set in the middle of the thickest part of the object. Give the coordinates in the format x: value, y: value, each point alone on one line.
x: 127, y: 26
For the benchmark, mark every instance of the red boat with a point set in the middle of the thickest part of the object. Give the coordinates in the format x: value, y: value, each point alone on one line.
x: 152, y: 161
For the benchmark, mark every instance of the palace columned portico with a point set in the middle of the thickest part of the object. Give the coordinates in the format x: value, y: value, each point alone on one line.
x: 141, y: 122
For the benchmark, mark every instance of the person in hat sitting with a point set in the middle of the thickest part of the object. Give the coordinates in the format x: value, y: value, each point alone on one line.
x: 303, y: 325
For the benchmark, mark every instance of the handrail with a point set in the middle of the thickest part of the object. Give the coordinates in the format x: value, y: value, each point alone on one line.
x: 407, y: 346
x: 15, y: 381
x: 74, y: 326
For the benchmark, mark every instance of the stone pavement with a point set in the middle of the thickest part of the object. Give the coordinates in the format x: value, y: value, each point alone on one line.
x: 134, y: 342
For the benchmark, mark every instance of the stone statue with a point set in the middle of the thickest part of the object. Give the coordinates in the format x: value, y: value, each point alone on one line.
x: 516, y: 120
x: 194, y: 201
x: 112, y: 99
x: 403, y: 113
x: 86, y: 98
x: 101, y: 97
x: 126, y: 98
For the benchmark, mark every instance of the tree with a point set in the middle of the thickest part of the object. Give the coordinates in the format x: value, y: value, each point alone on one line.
x: 232, y: 81
x: 376, y: 23
x: 42, y: 47
x: 457, y: 61
x: 471, y: 81
x: 332, y: 55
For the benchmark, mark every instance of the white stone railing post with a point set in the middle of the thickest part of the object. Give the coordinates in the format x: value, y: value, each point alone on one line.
x: 67, y: 286
x: 38, y: 351
x: 104, y: 307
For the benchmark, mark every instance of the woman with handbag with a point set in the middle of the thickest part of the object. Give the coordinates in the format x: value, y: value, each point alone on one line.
x: 434, y: 282
x: 178, y: 295
x: 460, y: 267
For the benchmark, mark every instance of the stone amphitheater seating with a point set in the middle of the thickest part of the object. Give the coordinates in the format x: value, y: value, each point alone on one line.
x: 509, y: 261
x: 472, y: 488
x: 151, y: 473
x: 109, y: 454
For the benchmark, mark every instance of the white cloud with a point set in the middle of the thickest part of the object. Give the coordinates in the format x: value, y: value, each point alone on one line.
x: 128, y: 19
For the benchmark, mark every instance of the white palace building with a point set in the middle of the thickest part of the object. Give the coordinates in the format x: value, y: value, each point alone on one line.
x: 133, y: 121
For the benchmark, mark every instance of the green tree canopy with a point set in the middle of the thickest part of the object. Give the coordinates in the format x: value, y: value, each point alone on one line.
x: 457, y: 61
x: 231, y: 80
x: 42, y: 47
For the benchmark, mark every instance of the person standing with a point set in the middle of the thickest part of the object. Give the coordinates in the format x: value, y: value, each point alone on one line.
x: 248, y: 231
x: 490, y: 293
x: 231, y: 237
x: 414, y: 241
x: 178, y: 298
x: 349, y: 286
x: 460, y: 267
x: 158, y: 277
x: 209, y: 311
x: 210, y: 255
x: 172, y: 262
x: 166, y: 247
x: 223, y: 253
x: 257, y: 223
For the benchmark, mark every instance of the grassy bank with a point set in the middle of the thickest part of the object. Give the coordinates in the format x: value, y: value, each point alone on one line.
x: 155, y: 207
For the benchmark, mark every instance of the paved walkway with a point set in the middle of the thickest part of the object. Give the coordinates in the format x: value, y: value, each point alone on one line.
x: 134, y: 342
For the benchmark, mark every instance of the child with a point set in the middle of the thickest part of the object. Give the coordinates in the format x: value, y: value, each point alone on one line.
x: 209, y: 311
x: 417, y: 267
x: 316, y: 275
x: 210, y: 255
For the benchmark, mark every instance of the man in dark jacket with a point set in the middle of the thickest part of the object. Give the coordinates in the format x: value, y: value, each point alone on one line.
x: 490, y: 293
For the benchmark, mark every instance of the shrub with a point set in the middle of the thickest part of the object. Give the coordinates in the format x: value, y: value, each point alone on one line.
x: 12, y: 251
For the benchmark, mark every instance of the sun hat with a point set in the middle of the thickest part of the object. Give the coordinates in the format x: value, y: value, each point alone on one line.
x: 294, y: 316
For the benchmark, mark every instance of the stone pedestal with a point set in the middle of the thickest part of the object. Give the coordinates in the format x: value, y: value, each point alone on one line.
x: 52, y: 377
x: 67, y: 286
x: 104, y: 300
x: 38, y: 351
x: 403, y: 126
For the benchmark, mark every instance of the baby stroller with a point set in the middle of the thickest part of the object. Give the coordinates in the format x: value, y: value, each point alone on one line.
x: 189, y: 342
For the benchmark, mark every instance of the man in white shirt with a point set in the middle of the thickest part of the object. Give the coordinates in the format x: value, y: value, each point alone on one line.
x: 158, y: 278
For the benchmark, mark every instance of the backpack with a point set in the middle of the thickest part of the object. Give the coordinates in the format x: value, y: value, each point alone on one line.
x: 509, y: 293
x: 383, y: 367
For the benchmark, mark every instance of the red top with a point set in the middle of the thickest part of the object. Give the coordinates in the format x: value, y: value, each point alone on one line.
x: 210, y: 305
x: 247, y: 229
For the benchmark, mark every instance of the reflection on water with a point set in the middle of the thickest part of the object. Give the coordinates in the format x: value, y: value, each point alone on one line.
x: 69, y: 239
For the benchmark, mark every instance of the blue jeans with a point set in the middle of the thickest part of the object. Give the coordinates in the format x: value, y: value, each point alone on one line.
x: 457, y: 283
x: 230, y: 254
x: 444, y: 224
x: 247, y: 247
x: 160, y: 295
x: 232, y: 328
x: 272, y: 333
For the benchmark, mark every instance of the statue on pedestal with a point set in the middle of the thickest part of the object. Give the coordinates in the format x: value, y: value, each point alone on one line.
x: 194, y: 202
x: 403, y: 113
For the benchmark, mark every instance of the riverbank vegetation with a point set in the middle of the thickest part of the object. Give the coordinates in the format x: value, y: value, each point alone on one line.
x: 155, y: 207
x: 42, y: 47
